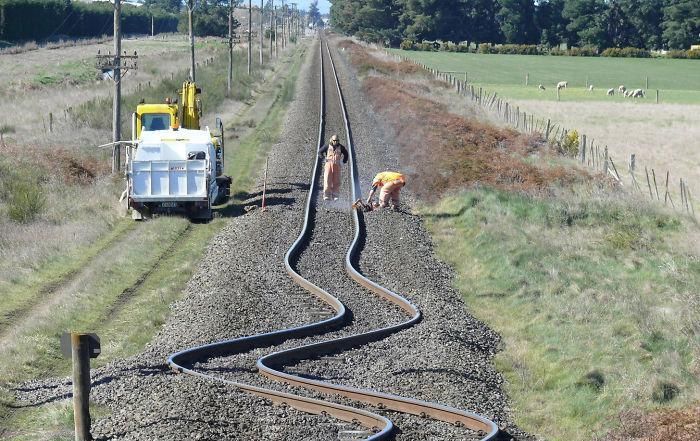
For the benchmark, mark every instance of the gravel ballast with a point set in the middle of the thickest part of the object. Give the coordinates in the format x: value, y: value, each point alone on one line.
x: 241, y: 288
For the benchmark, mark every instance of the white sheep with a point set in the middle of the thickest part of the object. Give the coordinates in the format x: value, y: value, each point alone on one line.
x: 638, y: 93
x: 611, y: 92
x: 562, y: 84
x: 541, y: 87
x: 621, y: 88
x: 628, y: 93
x: 590, y: 88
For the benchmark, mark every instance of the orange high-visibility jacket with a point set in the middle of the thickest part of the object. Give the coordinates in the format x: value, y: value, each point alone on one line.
x: 387, y: 176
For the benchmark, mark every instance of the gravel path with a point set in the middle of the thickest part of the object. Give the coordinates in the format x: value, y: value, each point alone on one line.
x: 241, y: 288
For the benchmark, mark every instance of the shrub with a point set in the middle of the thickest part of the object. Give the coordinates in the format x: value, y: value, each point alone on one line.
x: 675, y: 53
x: 627, y: 52
x: 408, y: 44
x: 22, y: 193
x: 594, y: 379
x: 694, y: 54
x: 664, y: 391
x: 585, y: 51
x: 569, y: 144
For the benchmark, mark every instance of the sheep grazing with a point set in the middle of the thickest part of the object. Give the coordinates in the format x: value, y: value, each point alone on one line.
x: 611, y: 92
x: 638, y: 93
x: 562, y: 84
x: 621, y: 88
x: 541, y: 87
x: 590, y: 88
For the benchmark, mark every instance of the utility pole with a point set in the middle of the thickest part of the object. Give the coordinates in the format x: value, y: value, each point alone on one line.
x: 284, y: 19
x: 276, y: 35
x: 272, y: 19
x: 250, y: 34
x: 118, y: 64
x: 117, y: 98
x: 230, y: 48
x: 262, y: 32
x: 190, y: 10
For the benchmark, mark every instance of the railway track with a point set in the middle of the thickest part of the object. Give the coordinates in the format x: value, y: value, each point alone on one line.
x: 272, y: 365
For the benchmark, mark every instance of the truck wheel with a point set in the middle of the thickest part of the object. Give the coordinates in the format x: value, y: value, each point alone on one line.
x: 140, y: 215
x: 204, y: 215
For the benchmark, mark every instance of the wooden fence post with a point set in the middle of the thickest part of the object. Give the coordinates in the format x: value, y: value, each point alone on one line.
x: 657, y: 96
x: 656, y: 187
x: 582, y: 148
x: 50, y: 122
x: 605, y: 160
x: 651, y: 195
x: 667, y: 195
x: 546, y: 133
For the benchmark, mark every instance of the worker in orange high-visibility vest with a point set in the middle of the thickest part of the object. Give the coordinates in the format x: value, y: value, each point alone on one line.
x: 333, y: 151
x: 391, y: 184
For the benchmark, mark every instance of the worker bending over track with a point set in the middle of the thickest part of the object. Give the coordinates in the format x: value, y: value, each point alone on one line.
x: 331, y: 171
x: 391, y: 184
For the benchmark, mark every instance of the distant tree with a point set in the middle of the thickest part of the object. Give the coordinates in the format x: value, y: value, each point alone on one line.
x: 371, y: 20
x: 516, y: 19
x: 587, y: 21
x: 314, y: 14
x: 551, y: 24
x: 210, y: 17
x: 172, y: 6
x: 681, y: 23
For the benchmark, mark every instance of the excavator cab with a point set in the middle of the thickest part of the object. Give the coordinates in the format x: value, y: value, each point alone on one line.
x: 151, y: 117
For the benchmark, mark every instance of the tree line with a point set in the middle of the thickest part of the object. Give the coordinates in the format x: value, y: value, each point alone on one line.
x: 38, y: 20
x: 648, y: 24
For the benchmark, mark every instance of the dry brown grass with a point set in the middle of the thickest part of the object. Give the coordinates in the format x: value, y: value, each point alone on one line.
x: 666, y: 425
x: 450, y: 151
x: 364, y: 61
x: 27, y: 105
x: 663, y: 136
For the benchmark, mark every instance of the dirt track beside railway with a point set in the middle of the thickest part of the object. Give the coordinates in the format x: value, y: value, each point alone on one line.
x: 241, y: 288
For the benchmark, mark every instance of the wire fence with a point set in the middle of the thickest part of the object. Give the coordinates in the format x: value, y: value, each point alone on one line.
x: 658, y: 187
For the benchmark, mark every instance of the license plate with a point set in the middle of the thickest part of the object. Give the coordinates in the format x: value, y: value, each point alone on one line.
x: 168, y: 204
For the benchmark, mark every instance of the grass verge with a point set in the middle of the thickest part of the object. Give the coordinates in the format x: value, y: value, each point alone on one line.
x: 128, y: 298
x: 594, y: 299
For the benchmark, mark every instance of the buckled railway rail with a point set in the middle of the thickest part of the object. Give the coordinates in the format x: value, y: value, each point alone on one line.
x: 380, y: 426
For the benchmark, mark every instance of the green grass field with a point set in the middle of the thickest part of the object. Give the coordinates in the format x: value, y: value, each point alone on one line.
x: 677, y: 80
x: 593, y: 296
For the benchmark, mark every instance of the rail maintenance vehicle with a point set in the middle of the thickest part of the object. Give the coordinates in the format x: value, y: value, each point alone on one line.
x: 172, y: 164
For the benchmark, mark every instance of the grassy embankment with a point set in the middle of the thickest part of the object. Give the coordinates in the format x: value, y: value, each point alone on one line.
x: 129, y: 297
x: 677, y: 80
x: 593, y: 291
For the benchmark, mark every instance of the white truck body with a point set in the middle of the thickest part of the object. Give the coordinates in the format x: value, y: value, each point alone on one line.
x: 172, y: 171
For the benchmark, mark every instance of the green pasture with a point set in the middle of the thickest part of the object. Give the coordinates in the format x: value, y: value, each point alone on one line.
x: 593, y: 295
x: 677, y: 80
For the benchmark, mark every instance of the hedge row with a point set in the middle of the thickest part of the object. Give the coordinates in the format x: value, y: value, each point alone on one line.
x: 22, y: 20
x: 528, y: 49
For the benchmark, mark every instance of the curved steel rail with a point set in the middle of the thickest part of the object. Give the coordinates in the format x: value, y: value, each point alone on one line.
x: 269, y: 365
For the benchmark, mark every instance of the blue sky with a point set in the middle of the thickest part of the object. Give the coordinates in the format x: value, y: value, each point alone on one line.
x: 323, y: 5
